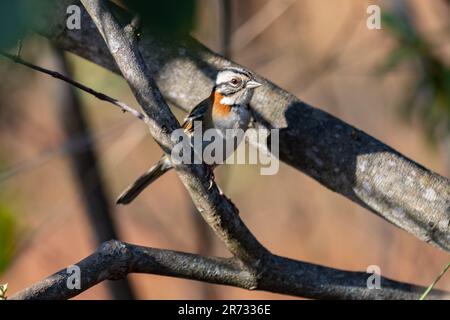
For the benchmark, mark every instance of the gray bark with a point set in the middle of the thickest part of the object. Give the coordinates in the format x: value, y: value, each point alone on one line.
x: 253, y: 266
x: 214, y: 207
x: 114, y: 260
x: 339, y: 156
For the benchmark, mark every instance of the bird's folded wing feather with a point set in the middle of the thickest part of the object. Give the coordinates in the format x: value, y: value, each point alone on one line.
x: 196, y: 114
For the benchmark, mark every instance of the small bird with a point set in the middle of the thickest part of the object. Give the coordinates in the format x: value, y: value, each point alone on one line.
x: 226, y: 108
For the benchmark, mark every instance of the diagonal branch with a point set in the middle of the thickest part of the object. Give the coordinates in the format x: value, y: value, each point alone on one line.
x: 339, y: 156
x: 113, y: 260
x: 253, y: 266
x: 99, y: 95
x: 215, y: 208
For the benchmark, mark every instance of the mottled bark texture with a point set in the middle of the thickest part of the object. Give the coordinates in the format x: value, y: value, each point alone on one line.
x: 339, y: 156
x: 215, y: 208
x: 114, y: 260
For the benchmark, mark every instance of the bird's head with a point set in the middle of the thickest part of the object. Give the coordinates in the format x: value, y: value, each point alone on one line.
x: 235, y: 85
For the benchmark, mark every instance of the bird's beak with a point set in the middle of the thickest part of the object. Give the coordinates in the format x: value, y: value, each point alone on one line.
x: 253, y: 84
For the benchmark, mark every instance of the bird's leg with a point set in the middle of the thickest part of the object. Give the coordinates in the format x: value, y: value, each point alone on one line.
x: 211, y: 178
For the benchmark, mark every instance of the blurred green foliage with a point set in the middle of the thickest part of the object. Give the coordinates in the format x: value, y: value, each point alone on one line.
x: 12, y: 23
x: 15, y: 18
x: 429, y: 94
x: 7, y: 236
x: 8, y: 228
x: 170, y: 18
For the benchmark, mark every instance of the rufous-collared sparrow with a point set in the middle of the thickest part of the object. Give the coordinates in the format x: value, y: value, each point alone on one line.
x: 226, y: 108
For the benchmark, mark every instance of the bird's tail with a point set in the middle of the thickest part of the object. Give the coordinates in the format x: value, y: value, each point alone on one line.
x: 157, y: 170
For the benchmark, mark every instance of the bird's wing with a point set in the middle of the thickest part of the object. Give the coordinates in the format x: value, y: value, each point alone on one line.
x: 196, y: 114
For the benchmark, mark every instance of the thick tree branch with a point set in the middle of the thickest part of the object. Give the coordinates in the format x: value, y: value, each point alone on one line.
x: 341, y: 157
x: 114, y: 260
x: 253, y: 268
x: 216, y: 209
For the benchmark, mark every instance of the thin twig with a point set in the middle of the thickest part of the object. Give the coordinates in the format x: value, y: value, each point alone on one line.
x: 19, y: 48
x: 216, y: 209
x: 114, y: 260
x: 366, y: 167
x: 99, y: 95
x: 424, y: 295
x: 87, y: 174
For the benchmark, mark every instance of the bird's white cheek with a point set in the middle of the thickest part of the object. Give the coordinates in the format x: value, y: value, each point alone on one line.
x: 227, y: 101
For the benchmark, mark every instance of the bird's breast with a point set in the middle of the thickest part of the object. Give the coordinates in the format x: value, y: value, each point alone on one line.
x: 238, y: 117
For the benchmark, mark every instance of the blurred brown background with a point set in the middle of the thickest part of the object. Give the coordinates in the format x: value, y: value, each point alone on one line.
x: 320, y: 51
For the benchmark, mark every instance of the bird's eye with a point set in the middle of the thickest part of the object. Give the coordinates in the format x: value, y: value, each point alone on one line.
x: 235, y: 81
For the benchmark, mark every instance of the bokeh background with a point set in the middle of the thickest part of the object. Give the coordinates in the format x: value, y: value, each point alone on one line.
x: 392, y: 83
